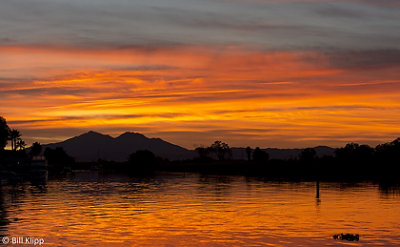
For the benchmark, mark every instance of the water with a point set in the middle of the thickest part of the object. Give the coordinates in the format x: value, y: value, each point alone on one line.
x: 89, y: 209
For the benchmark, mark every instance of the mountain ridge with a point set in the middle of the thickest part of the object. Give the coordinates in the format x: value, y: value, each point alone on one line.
x: 92, y: 146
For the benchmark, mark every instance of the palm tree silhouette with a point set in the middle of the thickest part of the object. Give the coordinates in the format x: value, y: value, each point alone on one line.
x: 4, y: 133
x: 20, y: 144
x: 14, y: 136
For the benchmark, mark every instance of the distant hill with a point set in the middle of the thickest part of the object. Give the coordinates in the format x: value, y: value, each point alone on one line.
x: 284, y: 154
x: 92, y: 146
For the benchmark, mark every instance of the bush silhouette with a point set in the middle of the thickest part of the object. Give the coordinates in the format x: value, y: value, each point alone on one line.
x: 260, y: 155
x: 308, y: 155
x: 36, y: 149
x: 142, y: 161
x: 58, y: 158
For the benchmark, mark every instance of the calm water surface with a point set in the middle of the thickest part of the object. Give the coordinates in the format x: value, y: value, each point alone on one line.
x: 89, y: 209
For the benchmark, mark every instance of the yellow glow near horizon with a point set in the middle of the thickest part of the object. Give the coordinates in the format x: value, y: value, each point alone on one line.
x: 193, y: 95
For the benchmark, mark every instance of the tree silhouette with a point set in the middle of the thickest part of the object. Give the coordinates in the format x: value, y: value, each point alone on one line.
x: 389, y: 152
x: 203, y: 152
x: 142, y: 157
x: 248, y: 152
x: 354, y: 153
x: 4, y: 133
x: 20, y: 144
x: 36, y: 149
x: 260, y: 155
x: 14, y: 135
x: 308, y: 155
x: 221, y: 149
x: 58, y: 157
x: 142, y: 162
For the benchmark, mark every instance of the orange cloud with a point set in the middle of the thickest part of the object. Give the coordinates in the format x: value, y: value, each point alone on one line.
x: 193, y: 95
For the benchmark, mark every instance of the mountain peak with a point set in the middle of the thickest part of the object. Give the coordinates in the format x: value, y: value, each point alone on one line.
x: 92, y: 133
x: 130, y: 134
x: 92, y: 145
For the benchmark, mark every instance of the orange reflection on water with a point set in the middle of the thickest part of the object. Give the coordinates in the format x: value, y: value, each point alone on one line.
x: 194, y: 210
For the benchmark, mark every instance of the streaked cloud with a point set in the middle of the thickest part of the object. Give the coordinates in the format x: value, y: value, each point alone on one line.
x: 266, y: 72
x: 92, y: 24
x: 267, y: 98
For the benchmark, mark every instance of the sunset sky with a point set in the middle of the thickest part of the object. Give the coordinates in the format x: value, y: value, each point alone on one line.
x: 268, y: 73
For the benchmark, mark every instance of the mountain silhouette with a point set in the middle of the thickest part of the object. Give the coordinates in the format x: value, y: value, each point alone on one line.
x: 92, y: 146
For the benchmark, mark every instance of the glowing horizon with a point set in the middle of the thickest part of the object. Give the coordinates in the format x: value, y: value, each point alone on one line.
x: 180, y: 95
